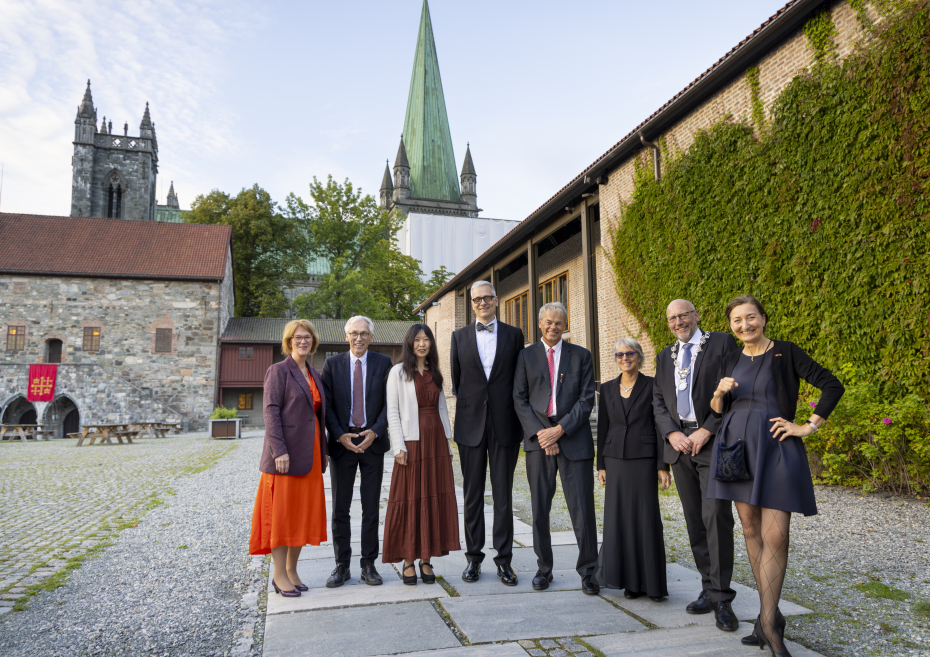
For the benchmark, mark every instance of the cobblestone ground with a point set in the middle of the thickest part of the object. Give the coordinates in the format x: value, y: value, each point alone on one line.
x: 862, y: 564
x: 63, y: 503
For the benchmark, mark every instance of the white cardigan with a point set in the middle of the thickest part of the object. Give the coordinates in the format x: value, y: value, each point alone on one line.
x: 403, y: 412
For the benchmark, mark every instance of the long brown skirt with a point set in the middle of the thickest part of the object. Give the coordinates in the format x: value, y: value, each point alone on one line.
x: 422, y: 515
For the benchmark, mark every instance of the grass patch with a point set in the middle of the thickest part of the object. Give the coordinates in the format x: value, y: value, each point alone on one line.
x: 594, y: 651
x: 887, y: 627
x: 448, y: 588
x: 182, y: 547
x: 57, y: 580
x: 879, y: 590
x: 921, y: 610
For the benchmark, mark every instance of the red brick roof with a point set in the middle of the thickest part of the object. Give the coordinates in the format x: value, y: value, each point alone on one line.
x: 111, y: 248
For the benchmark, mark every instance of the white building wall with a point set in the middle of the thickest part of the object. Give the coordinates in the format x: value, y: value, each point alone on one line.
x: 453, y: 242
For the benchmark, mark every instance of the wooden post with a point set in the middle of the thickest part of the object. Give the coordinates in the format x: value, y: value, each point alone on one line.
x: 532, y: 305
x: 589, y: 280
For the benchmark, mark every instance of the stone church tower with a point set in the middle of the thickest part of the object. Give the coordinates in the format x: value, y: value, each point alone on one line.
x: 113, y: 175
x: 425, y: 179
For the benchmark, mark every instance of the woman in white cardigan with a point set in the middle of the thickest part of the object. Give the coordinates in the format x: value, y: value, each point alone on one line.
x: 422, y: 514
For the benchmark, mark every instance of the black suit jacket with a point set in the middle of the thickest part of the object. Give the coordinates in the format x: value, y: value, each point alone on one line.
x: 476, y: 396
x: 337, y: 381
x: 628, y: 434
x: 703, y: 383
x: 574, y: 398
x: 790, y: 364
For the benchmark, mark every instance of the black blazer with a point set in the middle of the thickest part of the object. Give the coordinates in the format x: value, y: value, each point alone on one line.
x: 628, y: 434
x: 476, y: 396
x: 703, y: 383
x: 574, y: 398
x: 337, y: 382
x: 790, y: 364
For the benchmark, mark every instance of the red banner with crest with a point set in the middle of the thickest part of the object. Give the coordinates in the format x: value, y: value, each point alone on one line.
x: 42, y: 382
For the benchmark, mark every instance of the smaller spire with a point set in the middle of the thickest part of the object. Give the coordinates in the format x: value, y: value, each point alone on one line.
x: 468, y: 167
x: 172, y: 201
x: 386, y: 183
x: 146, y: 118
x: 401, y: 159
x: 87, y: 105
x: 126, y: 129
x: 103, y: 126
x: 110, y: 127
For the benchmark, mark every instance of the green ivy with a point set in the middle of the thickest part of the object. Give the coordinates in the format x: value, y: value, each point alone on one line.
x: 862, y: 14
x: 821, y: 32
x: 825, y: 218
x: 755, y: 94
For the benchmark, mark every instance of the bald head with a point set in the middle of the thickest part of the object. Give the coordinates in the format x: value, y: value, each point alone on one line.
x: 682, y: 319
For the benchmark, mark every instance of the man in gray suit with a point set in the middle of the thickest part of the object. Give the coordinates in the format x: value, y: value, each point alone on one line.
x: 553, y: 392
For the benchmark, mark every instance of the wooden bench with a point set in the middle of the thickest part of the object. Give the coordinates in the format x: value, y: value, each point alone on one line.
x: 104, y: 432
x: 24, y: 432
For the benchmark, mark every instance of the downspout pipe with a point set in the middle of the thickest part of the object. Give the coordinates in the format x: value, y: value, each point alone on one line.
x: 657, y: 155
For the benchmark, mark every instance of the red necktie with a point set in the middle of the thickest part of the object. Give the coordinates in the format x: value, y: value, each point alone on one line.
x: 358, y: 397
x: 551, y: 379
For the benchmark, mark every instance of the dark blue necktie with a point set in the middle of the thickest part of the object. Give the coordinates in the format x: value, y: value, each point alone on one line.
x: 684, y: 396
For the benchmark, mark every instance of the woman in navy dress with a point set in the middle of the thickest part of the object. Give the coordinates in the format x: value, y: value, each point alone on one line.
x: 757, y: 395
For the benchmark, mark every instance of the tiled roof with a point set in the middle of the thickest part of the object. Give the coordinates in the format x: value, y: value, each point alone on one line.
x: 331, y: 331
x: 796, y: 7
x: 112, y: 248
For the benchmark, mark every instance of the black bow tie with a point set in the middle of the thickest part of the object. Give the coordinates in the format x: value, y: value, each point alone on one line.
x: 489, y: 327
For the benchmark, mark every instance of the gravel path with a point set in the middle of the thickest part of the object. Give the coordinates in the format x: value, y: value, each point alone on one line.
x: 181, y: 582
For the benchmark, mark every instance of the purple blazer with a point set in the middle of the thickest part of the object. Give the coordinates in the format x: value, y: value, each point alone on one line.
x: 290, y: 422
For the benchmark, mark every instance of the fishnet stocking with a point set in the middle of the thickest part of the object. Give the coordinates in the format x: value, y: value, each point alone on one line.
x: 767, y: 539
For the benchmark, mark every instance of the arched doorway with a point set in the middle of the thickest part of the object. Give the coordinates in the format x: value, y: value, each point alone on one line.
x: 62, y: 417
x: 54, y: 351
x: 71, y: 423
x: 19, y: 411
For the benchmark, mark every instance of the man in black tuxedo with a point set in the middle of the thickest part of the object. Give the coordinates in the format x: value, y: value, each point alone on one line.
x: 356, y: 421
x: 553, y: 392
x: 686, y: 377
x: 487, y: 430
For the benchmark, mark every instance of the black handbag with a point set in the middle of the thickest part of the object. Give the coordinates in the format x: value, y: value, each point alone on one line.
x: 731, y: 459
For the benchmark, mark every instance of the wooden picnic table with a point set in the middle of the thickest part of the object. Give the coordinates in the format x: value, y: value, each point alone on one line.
x: 24, y: 431
x: 107, y: 431
x: 154, y: 429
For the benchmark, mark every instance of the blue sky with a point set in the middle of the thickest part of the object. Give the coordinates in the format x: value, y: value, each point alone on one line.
x: 278, y: 92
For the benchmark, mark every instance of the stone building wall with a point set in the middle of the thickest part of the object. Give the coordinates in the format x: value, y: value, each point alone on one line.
x: 127, y: 312
x: 136, y: 170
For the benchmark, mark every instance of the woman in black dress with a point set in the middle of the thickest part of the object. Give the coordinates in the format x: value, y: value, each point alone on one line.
x: 632, y: 556
x: 757, y: 395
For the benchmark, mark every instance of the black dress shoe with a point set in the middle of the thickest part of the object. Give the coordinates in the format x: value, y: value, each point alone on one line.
x: 541, y: 581
x: 589, y: 586
x: 506, y: 574
x: 339, y: 576
x: 370, y: 576
x: 726, y: 619
x: 630, y: 595
x: 702, y: 605
x: 472, y: 572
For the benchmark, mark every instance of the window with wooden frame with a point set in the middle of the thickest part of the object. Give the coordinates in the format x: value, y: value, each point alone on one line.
x: 163, y: 341
x: 245, y: 353
x: 91, y: 338
x: 515, y: 311
x: 15, y: 338
x: 555, y: 289
x: 245, y: 401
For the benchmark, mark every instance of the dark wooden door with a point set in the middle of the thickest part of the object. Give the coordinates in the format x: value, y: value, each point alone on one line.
x: 72, y: 422
x: 54, y: 351
x: 29, y: 417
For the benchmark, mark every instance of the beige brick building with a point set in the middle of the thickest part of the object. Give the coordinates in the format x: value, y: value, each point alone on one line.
x: 566, y: 241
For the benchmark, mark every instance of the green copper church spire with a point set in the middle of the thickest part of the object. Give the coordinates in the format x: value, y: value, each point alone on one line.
x: 426, y: 127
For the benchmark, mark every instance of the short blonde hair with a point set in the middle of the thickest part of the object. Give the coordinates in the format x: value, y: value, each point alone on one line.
x: 634, y: 345
x: 291, y: 328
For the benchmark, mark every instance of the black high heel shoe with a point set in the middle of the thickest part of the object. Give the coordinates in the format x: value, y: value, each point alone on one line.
x: 753, y: 640
x: 427, y: 579
x: 287, y: 594
x: 409, y: 580
x: 764, y: 641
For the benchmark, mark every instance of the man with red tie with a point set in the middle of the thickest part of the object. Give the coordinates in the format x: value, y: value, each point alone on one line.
x: 355, y: 385
x: 553, y: 393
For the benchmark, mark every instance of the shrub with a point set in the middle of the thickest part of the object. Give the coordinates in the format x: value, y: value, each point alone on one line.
x: 223, y: 413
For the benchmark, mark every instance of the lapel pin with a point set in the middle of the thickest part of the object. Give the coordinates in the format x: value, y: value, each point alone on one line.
x: 561, y: 376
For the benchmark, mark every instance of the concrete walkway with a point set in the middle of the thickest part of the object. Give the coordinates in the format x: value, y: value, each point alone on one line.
x: 488, y: 619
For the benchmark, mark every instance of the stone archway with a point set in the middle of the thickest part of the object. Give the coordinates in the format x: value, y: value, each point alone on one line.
x: 19, y: 410
x: 62, y: 416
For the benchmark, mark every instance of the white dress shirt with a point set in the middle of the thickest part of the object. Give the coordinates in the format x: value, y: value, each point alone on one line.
x: 487, y: 346
x: 695, y: 341
x: 352, y: 360
x: 556, y: 356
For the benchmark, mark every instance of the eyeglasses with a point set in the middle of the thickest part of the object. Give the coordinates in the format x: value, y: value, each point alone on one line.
x: 364, y: 335
x: 479, y: 300
x: 303, y: 338
x: 628, y: 355
x: 682, y: 317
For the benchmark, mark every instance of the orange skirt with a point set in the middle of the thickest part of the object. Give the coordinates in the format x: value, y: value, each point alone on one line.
x: 289, y: 510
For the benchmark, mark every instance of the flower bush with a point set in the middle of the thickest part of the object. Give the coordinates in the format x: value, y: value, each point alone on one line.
x: 223, y: 413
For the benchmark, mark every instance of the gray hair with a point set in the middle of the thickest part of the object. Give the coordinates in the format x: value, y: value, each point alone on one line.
x: 360, y: 318
x: 553, y: 306
x: 482, y: 284
x: 632, y: 344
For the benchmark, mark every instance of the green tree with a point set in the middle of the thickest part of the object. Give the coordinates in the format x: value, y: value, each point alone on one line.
x: 266, y: 246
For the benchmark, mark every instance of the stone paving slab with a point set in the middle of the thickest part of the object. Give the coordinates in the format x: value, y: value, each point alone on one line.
x: 358, y: 631
x: 489, y: 584
x: 355, y: 592
x: 533, y: 615
x: 487, y: 650
x: 564, y: 557
x: 682, y: 642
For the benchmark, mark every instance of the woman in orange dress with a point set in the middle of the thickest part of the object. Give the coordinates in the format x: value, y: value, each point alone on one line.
x: 290, y: 507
